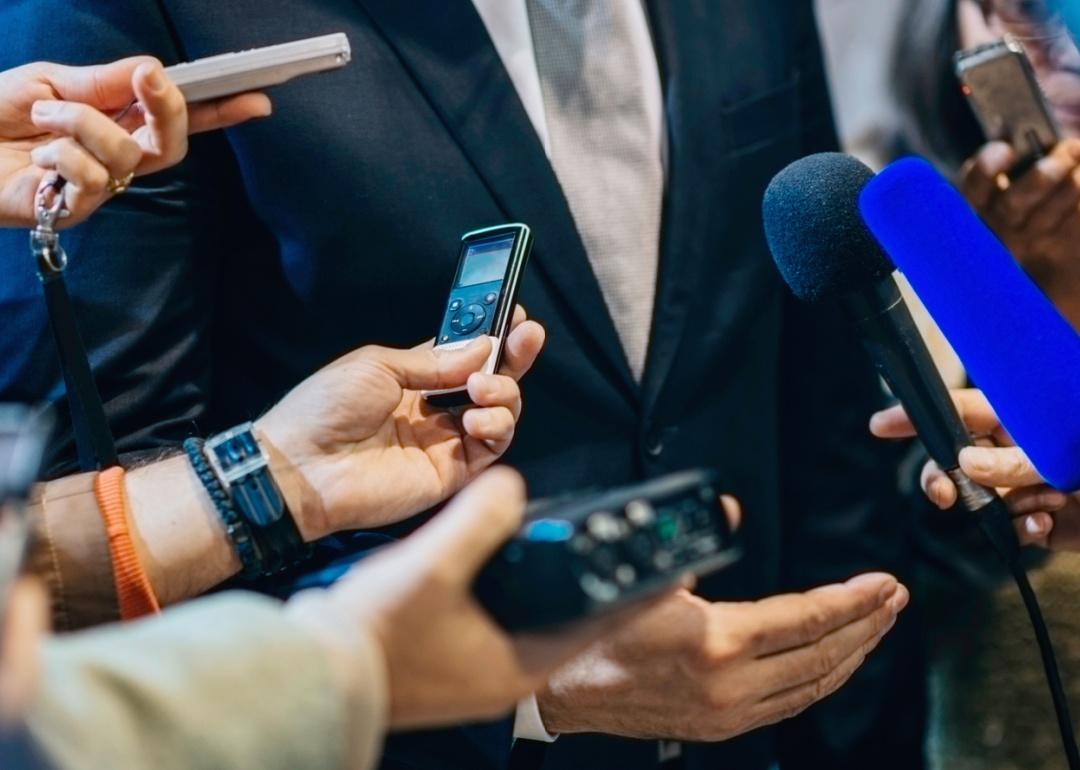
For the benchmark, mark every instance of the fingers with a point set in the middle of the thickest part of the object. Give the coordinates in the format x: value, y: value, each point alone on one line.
x: 979, y: 176
x: 523, y: 346
x: 974, y: 410
x: 733, y: 511
x: 1035, y: 529
x: 105, y: 87
x: 229, y: 112
x: 428, y: 368
x: 892, y: 423
x: 788, y: 704
x: 1037, y: 499
x: 999, y: 467
x: 1057, y: 209
x: 481, y: 518
x: 164, y: 137
x: 937, y: 486
x: 87, y: 178
x: 1025, y: 194
x: 817, y: 661
x: 495, y: 390
x: 493, y: 426
x: 787, y: 622
x: 109, y: 144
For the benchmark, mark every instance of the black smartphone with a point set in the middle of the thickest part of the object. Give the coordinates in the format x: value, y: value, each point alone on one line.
x: 482, y: 299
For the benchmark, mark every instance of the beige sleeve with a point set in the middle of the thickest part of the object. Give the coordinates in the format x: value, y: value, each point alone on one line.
x: 224, y: 682
x: 71, y: 553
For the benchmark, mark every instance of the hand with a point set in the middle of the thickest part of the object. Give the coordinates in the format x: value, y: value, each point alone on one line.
x: 23, y: 624
x: 56, y: 119
x: 1043, y: 515
x: 1037, y: 216
x: 691, y: 670
x: 356, y: 445
x: 446, y: 660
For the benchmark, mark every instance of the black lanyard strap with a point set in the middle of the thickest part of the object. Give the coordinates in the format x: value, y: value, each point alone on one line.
x: 93, y: 439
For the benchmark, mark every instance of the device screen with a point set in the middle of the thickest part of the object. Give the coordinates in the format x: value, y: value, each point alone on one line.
x: 486, y: 261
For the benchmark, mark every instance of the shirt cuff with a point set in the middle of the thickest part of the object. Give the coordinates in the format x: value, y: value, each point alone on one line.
x: 528, y: 724
x: 71, y: 553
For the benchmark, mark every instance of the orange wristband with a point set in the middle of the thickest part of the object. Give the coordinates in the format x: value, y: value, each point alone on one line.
x: 133, y: 588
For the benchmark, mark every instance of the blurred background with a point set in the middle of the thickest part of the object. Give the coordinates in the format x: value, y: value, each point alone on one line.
x: 894, y: 93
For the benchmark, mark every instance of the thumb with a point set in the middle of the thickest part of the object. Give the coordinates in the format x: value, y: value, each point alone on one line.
x: 427, y: 368
x: 104, y: 86
x: 480, y: 519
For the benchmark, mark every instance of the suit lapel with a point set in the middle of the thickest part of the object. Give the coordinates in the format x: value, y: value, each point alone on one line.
x: 674, y: 24
x: 445, y: 47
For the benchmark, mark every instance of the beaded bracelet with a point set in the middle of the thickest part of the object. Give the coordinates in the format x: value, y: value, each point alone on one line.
x: 236, y: 528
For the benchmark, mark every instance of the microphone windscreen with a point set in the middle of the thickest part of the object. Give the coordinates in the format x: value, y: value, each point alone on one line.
x: 814, y: 230
x: 1014, y: 344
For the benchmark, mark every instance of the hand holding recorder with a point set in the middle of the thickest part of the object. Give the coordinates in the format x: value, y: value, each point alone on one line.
x: 56, y: 119
x: 360, y: 447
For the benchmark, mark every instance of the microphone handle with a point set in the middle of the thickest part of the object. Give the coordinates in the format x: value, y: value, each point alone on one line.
x: 900, y: 356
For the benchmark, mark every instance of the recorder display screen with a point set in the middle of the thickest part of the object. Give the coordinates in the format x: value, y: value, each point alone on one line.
x: 485, y: 261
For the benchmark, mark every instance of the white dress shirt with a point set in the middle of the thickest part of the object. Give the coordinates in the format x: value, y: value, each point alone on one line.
x: 507, y: 23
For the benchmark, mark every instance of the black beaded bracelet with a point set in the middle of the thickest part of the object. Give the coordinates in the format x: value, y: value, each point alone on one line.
x: 237, y: 529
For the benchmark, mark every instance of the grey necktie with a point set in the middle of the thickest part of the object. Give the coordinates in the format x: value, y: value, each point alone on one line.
x: 604, y: 152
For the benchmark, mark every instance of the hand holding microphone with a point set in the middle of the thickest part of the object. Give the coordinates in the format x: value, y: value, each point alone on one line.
x: 1045, y: 516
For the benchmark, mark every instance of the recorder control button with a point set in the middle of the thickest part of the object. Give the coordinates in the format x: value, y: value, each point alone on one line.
x: 490, y: 297
x: 640, y: 513
x: 468, y: 319
x: 456, y: 304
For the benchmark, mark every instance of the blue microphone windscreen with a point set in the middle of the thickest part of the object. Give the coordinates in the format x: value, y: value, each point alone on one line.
x: 1013, y: 342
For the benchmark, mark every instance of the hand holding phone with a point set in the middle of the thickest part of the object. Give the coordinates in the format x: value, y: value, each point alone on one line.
x: 1008, y: 103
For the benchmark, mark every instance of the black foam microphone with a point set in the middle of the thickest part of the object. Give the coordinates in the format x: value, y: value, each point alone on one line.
x: 824, y: 252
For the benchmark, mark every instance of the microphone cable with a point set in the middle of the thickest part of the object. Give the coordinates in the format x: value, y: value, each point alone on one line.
x: 996, y: 523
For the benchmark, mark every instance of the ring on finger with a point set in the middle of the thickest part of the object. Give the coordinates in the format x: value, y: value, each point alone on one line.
x: 118, y: 186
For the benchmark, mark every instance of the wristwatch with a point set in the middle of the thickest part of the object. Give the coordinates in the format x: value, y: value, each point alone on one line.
x: 243, y: 468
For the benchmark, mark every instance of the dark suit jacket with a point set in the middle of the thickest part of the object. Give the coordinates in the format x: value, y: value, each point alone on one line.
x: 210, y: 290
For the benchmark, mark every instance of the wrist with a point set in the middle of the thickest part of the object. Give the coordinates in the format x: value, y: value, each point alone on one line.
x: 177, y: 533
x: 301, y: 498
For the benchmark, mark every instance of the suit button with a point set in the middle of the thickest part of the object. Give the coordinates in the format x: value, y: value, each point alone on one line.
x: 654, y: 444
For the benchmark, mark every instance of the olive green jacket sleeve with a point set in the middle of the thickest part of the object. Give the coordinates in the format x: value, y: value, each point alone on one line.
x: 229, y: 683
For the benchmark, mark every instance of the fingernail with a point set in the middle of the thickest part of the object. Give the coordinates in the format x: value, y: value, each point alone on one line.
x: 45, y: 108
x: 1032, y: 526
x: 937, y: 492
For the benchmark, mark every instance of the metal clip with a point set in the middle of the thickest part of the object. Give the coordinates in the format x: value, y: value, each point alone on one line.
x: 44, y: 242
